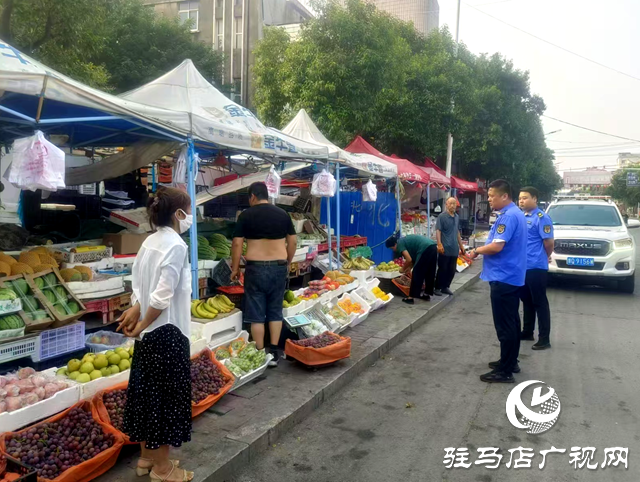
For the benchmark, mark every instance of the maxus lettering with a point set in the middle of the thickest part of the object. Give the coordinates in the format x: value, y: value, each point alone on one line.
x: 579, y: 245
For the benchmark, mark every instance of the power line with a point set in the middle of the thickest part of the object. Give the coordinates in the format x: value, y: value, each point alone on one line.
x: 590, y: 130
x: 585, y: 155
x: 554, y: 45
x: 597, y: 148
x: 490, y: 3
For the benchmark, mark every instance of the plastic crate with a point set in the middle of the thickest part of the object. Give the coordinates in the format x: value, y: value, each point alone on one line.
x: 87, y: 257
x: 17, y: 349
x: 56, y: 342
x: 234, y: 293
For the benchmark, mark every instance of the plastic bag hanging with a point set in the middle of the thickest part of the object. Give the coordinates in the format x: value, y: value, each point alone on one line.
x: 323, y: 185
x: 369, y: 192
x: 273, y: 183
x: 36, y: 164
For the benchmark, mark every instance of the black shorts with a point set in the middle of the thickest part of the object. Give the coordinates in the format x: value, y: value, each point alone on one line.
x: 264, y: 286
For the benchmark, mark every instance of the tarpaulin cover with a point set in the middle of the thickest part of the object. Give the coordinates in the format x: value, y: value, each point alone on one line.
x: 455, y: 182
x: 406, y: 169
x: 302, y: 127
x: 202, y: 109
x: 244, y: 182
x: 374, y: 220
x: 134, y: 157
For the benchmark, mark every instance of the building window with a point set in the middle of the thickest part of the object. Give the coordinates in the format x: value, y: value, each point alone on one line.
x: 219, y: 33
x: 238, y: 33
x: 189, y: 11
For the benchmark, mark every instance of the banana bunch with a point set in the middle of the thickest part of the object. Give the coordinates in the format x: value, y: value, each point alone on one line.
x: 201, y: 309
x: 221, y: 303
x: 212, y: 307
x: 7, y: 294
x: 358, y: 263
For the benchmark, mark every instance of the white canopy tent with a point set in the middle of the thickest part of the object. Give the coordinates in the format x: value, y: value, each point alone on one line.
x: 204, y: 111
x: 302, y: 127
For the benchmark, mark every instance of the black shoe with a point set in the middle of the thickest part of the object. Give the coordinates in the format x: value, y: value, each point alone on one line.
x: 425, y: 297
x: 543, y: 344
x: 408, y: 301
x: 497, y: 377
x: 526, y: 337
x: 275, y: 353
x: 447, y: 291
x: 496, y: 364
x: 437, y: 293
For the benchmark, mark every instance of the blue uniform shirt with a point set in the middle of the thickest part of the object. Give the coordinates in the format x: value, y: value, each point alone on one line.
x: 539, y: 228
x: 509, y: 265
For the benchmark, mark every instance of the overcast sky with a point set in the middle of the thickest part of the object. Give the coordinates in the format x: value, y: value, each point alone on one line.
x: 574, y: 90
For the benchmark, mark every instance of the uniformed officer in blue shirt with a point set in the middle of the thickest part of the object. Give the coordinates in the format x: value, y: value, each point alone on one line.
x: 504, y: 267
x: 539, y: 248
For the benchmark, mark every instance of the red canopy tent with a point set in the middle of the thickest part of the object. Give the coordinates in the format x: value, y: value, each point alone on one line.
x: 455, y: 182
x: 407, y: 170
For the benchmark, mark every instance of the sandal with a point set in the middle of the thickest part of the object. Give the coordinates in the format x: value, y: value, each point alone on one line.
x: 408, y: 301
x: 187, y: 476
x: 142, y: 470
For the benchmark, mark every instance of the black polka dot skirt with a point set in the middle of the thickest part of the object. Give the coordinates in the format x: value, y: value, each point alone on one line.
x: 158, y: 409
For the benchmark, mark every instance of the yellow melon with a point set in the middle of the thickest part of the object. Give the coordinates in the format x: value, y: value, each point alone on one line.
x: 40, y: 250
x: 70, y: 274
x: 48, y: 259
x: 85, y: 271
x: 7, y: 259
x: 32, y: 259
x: 21, y: 268
x: 5, y: 269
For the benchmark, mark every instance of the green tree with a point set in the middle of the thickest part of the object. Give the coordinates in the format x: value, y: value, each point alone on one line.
x: 357, y: 70
x: 112, y: 45
x: 619, y: 190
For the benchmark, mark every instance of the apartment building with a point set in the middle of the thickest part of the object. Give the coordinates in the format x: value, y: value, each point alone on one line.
x: 233, y: 27
x: 424, y: 14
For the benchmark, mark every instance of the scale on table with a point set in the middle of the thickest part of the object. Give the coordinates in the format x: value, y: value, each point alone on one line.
x: 297, y: 321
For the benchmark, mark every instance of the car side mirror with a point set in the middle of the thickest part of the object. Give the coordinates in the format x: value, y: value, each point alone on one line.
x: 633, y: 224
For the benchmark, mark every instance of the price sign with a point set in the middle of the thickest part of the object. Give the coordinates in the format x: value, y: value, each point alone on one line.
x: 632, y: 179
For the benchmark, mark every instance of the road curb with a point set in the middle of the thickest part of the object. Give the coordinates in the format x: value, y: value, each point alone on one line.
x: 375, y: 348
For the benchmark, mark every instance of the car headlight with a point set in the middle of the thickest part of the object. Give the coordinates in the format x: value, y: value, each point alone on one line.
x: 623, y: 243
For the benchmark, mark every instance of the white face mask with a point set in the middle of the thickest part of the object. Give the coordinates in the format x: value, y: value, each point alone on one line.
x: 184, y: 224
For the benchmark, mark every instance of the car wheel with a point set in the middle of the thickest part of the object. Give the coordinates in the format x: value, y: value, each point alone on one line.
x: 627, y: 285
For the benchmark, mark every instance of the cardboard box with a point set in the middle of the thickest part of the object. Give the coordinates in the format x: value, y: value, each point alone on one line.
x: 125, y: 243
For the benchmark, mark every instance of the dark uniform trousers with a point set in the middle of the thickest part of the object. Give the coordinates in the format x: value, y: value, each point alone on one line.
x: 534, y: 301
x: 446, y: 271
x: 505, y: 302
x: 424, y: 272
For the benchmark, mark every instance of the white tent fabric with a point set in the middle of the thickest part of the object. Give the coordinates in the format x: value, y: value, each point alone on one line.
x: 23, y: 75
x: 302, y: 127
x: 245, y: 181
x: 213, y: 117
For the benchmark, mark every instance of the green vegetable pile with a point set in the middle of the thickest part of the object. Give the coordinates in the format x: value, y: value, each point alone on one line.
x: 249, y: 359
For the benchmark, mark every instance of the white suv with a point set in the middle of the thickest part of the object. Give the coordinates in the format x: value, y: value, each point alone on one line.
x: 592, y: 241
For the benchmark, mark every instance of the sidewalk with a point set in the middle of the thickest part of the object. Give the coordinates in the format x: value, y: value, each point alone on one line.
x: 245, y: 422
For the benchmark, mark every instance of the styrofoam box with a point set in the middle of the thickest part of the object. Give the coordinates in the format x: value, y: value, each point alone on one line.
x: 228, y: 338
x: 104, y: 283
x: 207, y: 264
x: 43, y: 409
x: 337, y: 327
x: 361, y: 275
x: 372, y: 284
x: 89, y: 389
x: 387, y: 274
x: 101, y: 294
x: 365, y: 306
x: 198, y: 345
x: 369, y: 297
x: 294, y: 310
x: 220, y: 326
x: 10, y: 306
x: 251, y: 375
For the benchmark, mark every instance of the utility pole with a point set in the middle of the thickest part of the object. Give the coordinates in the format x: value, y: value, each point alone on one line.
x: 450, y: 137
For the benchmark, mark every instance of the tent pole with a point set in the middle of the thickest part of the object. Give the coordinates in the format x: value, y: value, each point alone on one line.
x: 153, y: 177
x: 399, y: 218
x: 428, y: 211
x: 338, y: 214
x: 475, y: 215
x: 329, y: 229
x: 193, y: 232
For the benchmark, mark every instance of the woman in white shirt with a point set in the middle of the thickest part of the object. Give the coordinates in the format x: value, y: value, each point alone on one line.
x: 158, y: 409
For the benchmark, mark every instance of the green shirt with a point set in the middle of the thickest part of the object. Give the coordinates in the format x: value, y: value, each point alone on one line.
x: 415, y: 245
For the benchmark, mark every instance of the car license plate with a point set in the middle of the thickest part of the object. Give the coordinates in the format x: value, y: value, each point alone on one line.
x: 580, y: 262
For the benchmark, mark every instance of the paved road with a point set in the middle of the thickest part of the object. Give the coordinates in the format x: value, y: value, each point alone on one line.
x: 395, y: 421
